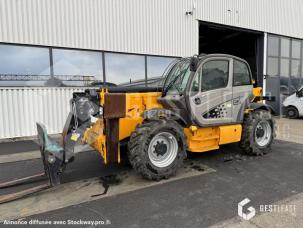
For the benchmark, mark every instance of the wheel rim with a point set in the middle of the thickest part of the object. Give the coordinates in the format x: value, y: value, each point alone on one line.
x: 291, y: 113
x: 263, y: 133
x: 163, y: 149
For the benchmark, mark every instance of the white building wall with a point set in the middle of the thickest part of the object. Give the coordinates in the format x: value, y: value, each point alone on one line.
x: 21, y: 108
x: 282, y: 17
x: 138, y: 26
x: 157, y: 27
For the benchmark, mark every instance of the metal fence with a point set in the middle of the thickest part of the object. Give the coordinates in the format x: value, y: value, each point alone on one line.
x: 21, y: 108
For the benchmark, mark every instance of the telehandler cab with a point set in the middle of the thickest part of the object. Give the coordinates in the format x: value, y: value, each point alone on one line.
x: 206, y: 101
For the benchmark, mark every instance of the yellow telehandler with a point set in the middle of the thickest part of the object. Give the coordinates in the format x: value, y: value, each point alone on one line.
x: 206, y: 101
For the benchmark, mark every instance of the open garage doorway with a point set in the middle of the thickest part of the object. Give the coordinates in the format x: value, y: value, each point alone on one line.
x: 246, y: 44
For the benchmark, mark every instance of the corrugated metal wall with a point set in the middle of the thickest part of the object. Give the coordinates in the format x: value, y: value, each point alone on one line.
x: 282, y: 17
x: 139, y: 26
x: 21, y: 108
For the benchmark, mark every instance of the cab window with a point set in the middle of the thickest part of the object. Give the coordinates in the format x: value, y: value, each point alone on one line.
x: 300, y: 93
x: 212, y: 75
x: 241, y: 74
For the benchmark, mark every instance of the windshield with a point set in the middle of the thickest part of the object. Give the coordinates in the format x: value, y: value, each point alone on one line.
x: 177, y: 78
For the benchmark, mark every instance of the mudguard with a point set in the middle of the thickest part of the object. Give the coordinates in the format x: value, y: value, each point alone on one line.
x: 256, y: 106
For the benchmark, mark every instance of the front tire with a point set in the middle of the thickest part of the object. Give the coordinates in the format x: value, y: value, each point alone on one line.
x: 292, y: 112
x: 258, y: 133
x: 157, y: 149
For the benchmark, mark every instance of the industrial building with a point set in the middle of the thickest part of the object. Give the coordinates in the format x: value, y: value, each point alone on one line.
x: 50, y: 48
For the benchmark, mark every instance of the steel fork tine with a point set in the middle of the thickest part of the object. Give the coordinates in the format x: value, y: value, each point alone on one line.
x: 21, y: 180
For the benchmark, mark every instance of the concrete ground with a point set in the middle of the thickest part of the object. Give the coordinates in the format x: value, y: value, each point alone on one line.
x: 206, y: 192
x: 290, y: 130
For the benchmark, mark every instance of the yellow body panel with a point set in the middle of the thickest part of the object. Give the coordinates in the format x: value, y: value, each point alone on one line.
x: 95, y: 137
x: 202, y: 139
x: 136, y: 104
x: 230, y: 134
x: 257, y: 92
x: 206, y: 139
x: 198, y: 139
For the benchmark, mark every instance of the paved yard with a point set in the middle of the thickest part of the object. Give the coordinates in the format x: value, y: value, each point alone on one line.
x: 290, y: 130
x: 208, y: 195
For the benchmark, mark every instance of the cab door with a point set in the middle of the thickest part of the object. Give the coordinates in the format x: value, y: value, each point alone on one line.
x: 210, y: 92
x: 242, y: 89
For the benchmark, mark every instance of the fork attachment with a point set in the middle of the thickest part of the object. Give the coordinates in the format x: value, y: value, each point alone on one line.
x: 53, y: 161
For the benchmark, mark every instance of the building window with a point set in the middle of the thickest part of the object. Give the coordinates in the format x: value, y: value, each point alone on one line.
x: 288, y: 61
x: 285, y: 47
x: 273, y: 46
x: 296, y: 49
x: 295, y: 65
x: 23, y: 60
x: 273, y: 66
x: 23, y: 65
x: 295, y: 68
x: 284, y: 67
x: 273, y: 56
x: 287, y: 64
x: 77, y: 65
x: 156, y: 67
x: 123, y: 69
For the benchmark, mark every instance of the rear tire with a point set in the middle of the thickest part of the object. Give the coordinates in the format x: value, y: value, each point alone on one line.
x: 157, y: 149
x: 292, y: 112
x: 258, y: 133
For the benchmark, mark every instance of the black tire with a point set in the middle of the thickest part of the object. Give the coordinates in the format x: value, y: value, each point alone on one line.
x: 139, y: 143
x: 292, y: 112
x: 249, y: 135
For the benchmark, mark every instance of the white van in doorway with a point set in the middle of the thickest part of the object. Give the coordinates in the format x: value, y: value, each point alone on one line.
x: 293, y: 104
